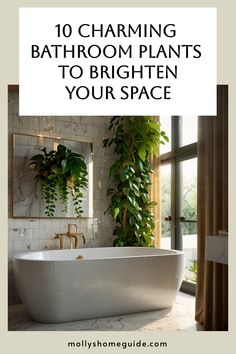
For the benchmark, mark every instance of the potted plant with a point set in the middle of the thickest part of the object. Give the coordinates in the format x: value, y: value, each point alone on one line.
x: 60, y: 173
x: 134, y: 139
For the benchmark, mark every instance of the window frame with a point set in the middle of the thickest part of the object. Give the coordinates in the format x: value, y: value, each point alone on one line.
x: 174, y: 157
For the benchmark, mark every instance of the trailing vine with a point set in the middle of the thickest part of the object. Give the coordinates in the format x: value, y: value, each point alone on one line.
x: 134, y: 140
x: 60, y: 173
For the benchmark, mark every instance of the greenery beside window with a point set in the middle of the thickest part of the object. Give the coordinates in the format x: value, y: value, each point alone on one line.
x: 134, y: 140
x: 60, y: 173
x: 192, y: 269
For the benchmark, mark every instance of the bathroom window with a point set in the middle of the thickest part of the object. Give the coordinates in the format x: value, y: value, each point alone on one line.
x: 165, y: 177
x: 178, y: 175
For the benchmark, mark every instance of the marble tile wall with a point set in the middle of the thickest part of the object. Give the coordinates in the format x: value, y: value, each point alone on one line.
x: 37, y: 234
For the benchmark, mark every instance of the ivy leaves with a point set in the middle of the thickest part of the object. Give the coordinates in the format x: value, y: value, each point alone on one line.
x: 134, y: 139
x: 60, y: 173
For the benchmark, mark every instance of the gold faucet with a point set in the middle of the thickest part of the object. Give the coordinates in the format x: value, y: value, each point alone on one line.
x: 75, y: 235
x: 61, y: 237
x: 70, y: 235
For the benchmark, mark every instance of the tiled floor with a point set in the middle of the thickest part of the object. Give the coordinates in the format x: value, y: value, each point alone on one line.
x: 178, y: 318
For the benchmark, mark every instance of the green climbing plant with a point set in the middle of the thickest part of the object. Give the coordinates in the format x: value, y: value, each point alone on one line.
x: 60, y: 173
x: 134, y: 139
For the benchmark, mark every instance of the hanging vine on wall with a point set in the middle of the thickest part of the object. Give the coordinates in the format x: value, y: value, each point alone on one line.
x: 134, y: 140
x: 60, y: 173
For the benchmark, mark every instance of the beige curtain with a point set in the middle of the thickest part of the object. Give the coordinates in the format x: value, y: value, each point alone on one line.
x: 155, y: 195
x: 212, y: 282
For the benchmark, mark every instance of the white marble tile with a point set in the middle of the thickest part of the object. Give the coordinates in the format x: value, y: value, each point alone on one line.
x: 18, y: 246
x: 18, y: 223
x: 30, y: 245
x: 35, y: 234
x: 34, y: 245
x: 32, y: 223
x: 48, y: 245
x: 28, y: 234
x: 45, y: 233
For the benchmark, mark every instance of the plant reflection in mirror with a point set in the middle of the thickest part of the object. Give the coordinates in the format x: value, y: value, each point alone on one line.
x: 60, y: 173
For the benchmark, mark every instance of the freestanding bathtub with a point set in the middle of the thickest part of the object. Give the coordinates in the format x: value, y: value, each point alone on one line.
x: 55, y: 286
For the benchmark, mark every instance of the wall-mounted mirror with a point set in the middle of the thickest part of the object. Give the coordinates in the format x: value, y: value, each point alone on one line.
x: 27, y: 194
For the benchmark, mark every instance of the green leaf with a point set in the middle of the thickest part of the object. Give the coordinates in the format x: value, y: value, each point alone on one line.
x: 138, y: 216
x: 166, y: 138
x: 110, y: 191
x: 153, y: 125
x: 140, y: 165
x: 136, y: 193
x: 37, y: 157
x: 52, y: 177
x: 65, y: 165
x: 56, y: 170
x: 75, y: 171
x: 118, y: 243
x: 152, y: 204
x: 130, y: 199
x: 126, y: 190
x: 132, y: 220
x: 134, y: 187
x: 105, y: 142
x: 124, y: 177
x: 131, y: 169
x: 44, y: 150
x: 61, y: 149
x: 142, y: 152
x: 116, y: 212
x: 138, y: 180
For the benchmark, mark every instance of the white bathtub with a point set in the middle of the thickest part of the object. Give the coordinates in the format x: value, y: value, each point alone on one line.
x: 55, y: 287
